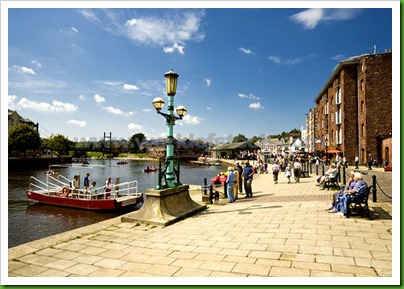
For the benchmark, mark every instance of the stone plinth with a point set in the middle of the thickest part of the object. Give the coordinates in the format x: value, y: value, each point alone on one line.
x: 164, y: 207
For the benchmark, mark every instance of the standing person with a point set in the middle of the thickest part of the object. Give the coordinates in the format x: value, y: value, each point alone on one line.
x: 344, y: 162
x: 108, y: 187
x: 230, y: 184
x: 240, y: 177
x: 248, y: 174
x: 236, y: 182
x: 288, y: 173
x: 370, y: 162
x: 297, y: 168
x: 275, y: 171
x: 87, y: 181
x: 75, y: 185
x: 356, y: 162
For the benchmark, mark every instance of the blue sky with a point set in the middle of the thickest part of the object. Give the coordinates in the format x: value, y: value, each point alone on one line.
x: 82, y: 72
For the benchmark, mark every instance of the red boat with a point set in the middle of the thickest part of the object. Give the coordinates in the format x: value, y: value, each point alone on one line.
x: 150, y: 170
x: 56, y: 191
x: 220, y: 178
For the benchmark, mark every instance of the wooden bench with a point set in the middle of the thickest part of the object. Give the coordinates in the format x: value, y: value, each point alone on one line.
x: 359, y: 204
x: 331, y: 182
x: 304, y: 174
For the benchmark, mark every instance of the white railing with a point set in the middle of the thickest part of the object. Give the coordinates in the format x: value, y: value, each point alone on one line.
x: 55, y: 186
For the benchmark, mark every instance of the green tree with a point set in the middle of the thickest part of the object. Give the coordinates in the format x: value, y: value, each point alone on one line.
x: 254, y: 139
x: 136, y: 140
x: 239, y: 138
x: 22, y: 138
x: 60, y: 144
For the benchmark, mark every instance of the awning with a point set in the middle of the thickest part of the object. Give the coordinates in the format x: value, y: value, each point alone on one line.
x: 334, y: 151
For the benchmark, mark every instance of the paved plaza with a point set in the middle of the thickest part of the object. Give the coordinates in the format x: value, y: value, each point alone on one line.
x: 283, y: 231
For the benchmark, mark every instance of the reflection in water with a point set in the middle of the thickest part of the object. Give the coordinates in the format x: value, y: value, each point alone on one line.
x: 28, y: 221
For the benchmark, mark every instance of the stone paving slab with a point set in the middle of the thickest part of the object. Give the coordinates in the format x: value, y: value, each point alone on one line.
x: 283, y: 231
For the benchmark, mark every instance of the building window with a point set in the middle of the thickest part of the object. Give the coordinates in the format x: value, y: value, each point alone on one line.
x: 362, y: 130
x: 362, y: 106
x: 362, y: 85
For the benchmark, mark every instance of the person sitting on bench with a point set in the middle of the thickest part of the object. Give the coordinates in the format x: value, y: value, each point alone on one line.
x: 359, y: 189
x: 331, y: 173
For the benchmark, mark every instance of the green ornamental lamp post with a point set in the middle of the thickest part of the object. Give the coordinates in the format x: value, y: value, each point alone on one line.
x: 170, y: 174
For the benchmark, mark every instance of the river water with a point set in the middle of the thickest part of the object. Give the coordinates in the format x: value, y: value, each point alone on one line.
x: 28, y: 221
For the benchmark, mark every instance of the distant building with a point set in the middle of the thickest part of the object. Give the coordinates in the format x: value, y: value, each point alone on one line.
x: 353, y: 110
x: 15, y: 119
x: 237, y: 150
x: 184, y: 149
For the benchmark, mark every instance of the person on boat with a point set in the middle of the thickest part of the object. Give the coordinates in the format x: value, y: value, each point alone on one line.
x: 87, y: 181
x: 92, y: 190
x: 75, y: 185
x: 108, y: 187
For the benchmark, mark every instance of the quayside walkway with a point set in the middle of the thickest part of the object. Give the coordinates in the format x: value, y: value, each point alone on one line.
x: 283, y: 231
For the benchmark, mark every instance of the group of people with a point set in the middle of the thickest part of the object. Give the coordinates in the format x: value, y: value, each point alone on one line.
x: 297, y: 170
x: 89, y: 189
x: 236, y: 177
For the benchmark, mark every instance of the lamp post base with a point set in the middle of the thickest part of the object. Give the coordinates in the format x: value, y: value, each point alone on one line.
x: 165, y: 207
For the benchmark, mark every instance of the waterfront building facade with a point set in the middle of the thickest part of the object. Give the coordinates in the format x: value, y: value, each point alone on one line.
x: 15, y: 119
x: 353, y: 110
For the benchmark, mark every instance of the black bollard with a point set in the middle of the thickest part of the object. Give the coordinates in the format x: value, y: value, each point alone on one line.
x: 374, y: 190
x: 205, y: 185
x: 339, y: 174
x: 225, y: 189
x: 317, y: 170
x: 323, y: 169
x: 311, y: 169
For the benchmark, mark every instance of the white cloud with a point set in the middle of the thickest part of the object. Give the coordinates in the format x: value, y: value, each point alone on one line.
x: 176, y: 26
x: 36, y: 62
x: 256, y: 106
x: 310, y: 18
x: 130, y: 87
x: 11, y: 102
x: 134, y: 126
x: 117, y: 111
x: 278, y: 60
x: 99, y: 99
x: 246, y: 50
x: 208, y: 81
x: 82, y: 97
x: 147, y: 110
x: 23, y: 69
x: 113, y: 110
x: 79, y: 123
x: 74, y: 29
x: 248, y: 96
x: 173, y: 48
x: 56, y: 106
x: 208, y: 108
x: 189, y: 119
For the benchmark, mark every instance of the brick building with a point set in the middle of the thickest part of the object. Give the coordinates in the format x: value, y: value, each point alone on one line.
x: 353, y: 110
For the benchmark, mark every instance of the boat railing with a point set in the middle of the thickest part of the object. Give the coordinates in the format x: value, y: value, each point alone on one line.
x: 119, y: 190
x: 54, y: 183
x: 37, y: 184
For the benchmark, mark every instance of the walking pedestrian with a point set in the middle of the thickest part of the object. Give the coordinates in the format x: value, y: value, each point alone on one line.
x: 297, y: 168
x: 248, y: 174
x: 275, y: 171
x: 356, y: 162
x: 288, y: 173
x: 236, y: 182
